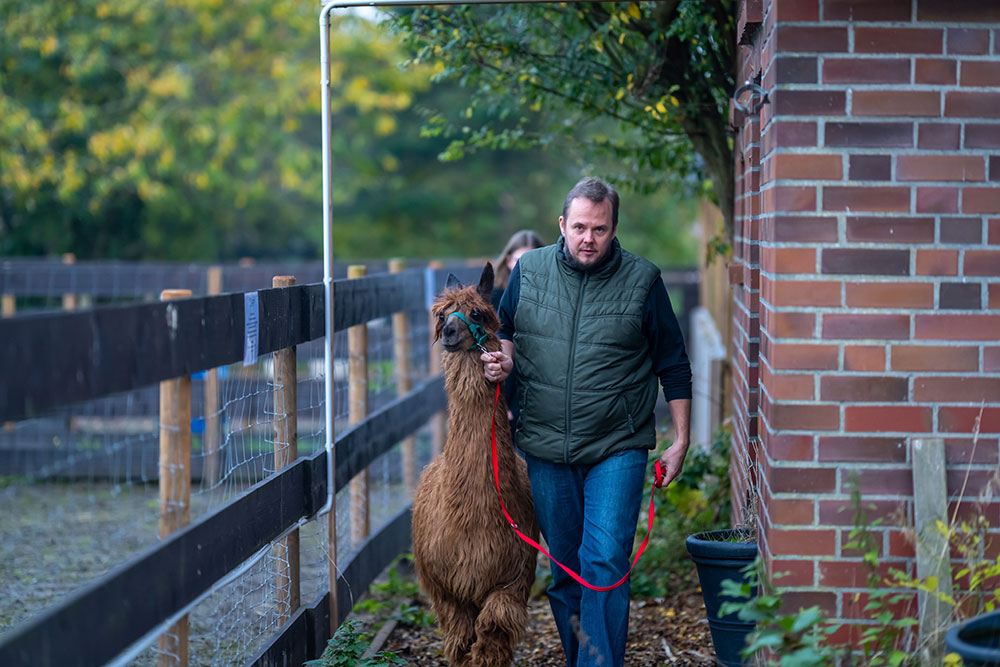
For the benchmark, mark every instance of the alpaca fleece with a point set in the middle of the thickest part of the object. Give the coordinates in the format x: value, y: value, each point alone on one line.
x: 470, y: 563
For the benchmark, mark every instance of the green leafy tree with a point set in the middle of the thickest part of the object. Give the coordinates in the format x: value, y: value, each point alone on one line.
x: 643, y: 86
x: 185, y: 129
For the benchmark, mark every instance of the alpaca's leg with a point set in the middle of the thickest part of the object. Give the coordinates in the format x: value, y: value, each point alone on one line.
x: 458, y: 626
x: 499, y: 628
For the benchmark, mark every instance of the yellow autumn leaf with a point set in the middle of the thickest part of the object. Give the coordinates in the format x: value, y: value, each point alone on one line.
x: 674, y: 101
x: 620, y: 94
x: 633, y: 10
x: 661, y: 107
x: 49, y: 46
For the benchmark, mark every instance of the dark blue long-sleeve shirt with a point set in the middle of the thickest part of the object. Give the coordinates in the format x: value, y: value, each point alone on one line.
x: 659, y: 324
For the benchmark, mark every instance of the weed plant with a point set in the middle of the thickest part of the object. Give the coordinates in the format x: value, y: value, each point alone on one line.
x: 698, y: 500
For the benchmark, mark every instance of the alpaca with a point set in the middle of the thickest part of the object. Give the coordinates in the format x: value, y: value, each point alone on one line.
x: 475, y: 569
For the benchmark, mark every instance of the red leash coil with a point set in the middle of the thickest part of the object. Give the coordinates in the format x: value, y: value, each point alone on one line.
x: 496, y: 477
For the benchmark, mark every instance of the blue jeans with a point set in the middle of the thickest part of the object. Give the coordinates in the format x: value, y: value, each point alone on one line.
x: 587, y: 515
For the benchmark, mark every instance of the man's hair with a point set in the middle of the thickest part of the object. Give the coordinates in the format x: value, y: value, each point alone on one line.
x: 596, y: 191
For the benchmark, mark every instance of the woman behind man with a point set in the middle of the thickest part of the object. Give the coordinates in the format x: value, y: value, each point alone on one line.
x: 520, y: 243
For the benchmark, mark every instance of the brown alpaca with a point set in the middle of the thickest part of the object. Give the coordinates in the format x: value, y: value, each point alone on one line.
x: 475, y: 569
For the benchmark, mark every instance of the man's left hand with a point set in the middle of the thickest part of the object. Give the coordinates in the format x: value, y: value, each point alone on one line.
x: 672, y: 462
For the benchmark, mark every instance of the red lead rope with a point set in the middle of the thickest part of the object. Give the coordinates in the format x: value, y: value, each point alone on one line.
x: 496, y: 478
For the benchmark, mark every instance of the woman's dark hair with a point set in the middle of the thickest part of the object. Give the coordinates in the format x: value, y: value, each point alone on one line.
x: 525, y: 238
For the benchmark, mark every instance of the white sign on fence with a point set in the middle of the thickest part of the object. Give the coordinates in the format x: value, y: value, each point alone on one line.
x: 251, y: 328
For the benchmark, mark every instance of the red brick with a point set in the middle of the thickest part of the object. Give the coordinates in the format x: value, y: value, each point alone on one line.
x: 971, y: 480
x: 863, y: 389
x: 982, y: 136
x: 803, y: 293
x: 865, y: 325
x: 798, y: 356
x: 897, y: 103
x: 903, y: 606
x: 994, y: 164
x: 935, y: 71
x: 993, y: 298
x: 963, y: 104
x: 788, y: 386
x: 937, y: 200
x: 887, y: 418
x: 794, y: 70
x: 787, y: 133
x: 794, y: 166
x: 869, y: 135
x: 981, y: 200
x: 890, y: 295
x: 937, y: 262
x: 800, y: 10
x: 794, y: 601
x: 792, y: 325
x: 939, y: 136
x: 963, y: 451
x: 809, y: 102
x: 901, y: 544
x: 802, y: 480
x: 981, y: 263
x: 801, y: 542
x: 993, y: 232
x: 940, y: 168
x: 955, y: 419
x: 800, y: 39
x: 790, y: 198
x: 809, y: 229
x: 864, y: 358
x: 848, y: 449
x: 795, y: 512
x: 883, y: 481
x: 891, y: 230
x: 934, y: 358
x: 966, y: 11
x: 860, y: 198
x: 980, y: 73
x: 898, y: 40
x: 788, y: 260
x: 870, y: 168
x: 991, y: 359
x: 791, y: 572
x: 960, y: 296
x: 956, y: 327
x: 956, y: 389
x: 968, y: 41
x: 847, y: 574
x: 866, y: 261
x: 789, y: 446
x: 866, y: 10
x: 962, y: 230
x: 866, y: 70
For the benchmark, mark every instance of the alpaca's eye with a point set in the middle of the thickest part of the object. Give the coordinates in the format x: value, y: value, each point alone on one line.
x: 441, y: 317
x: 476, y: 316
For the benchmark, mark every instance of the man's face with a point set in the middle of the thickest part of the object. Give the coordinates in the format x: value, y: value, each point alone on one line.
x: 588, y: 232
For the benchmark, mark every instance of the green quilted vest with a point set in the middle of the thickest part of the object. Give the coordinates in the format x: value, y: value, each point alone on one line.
x: 586, y: 386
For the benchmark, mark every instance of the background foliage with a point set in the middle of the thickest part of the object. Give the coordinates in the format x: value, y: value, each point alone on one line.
x: 189, y: 129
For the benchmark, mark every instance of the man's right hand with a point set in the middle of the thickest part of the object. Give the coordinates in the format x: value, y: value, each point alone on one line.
x: 496, y: 366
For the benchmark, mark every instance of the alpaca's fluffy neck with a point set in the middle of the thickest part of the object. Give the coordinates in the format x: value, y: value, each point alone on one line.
x: 470, y: 416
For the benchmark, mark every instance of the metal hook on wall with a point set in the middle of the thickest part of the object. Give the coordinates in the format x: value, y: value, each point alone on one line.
x: 756, y: 92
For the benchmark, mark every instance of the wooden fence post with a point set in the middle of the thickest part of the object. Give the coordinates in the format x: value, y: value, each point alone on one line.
x: 211, y: 442
x: 930, y: 505
x: 437, y: 421
x: 175, y: 483
x: 404, y: 382
x: 286, y: 450
x: 68, y: 298
x: 357, y: 343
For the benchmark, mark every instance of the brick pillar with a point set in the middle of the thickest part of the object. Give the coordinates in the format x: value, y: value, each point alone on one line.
x: 879, y: 270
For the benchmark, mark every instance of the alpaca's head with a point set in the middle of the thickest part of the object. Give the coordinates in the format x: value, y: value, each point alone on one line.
x: 472, y: 305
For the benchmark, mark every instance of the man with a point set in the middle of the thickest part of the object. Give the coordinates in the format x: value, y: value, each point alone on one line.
x: 592, y: 329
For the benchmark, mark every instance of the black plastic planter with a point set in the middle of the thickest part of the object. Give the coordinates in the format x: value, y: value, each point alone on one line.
x: 976, y: 640
x: 719, y: 557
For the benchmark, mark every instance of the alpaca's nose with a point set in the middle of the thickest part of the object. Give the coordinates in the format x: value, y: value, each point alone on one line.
x: 449, y: 330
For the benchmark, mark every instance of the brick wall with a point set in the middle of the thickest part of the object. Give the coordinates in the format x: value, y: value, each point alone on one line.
x: 866, y: 285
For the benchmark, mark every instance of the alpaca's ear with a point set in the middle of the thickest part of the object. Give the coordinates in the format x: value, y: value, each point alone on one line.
x: 452, y: 282
x: 485, y: 288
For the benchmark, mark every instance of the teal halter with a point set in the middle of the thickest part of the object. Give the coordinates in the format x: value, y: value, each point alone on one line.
x: 477, y: 331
